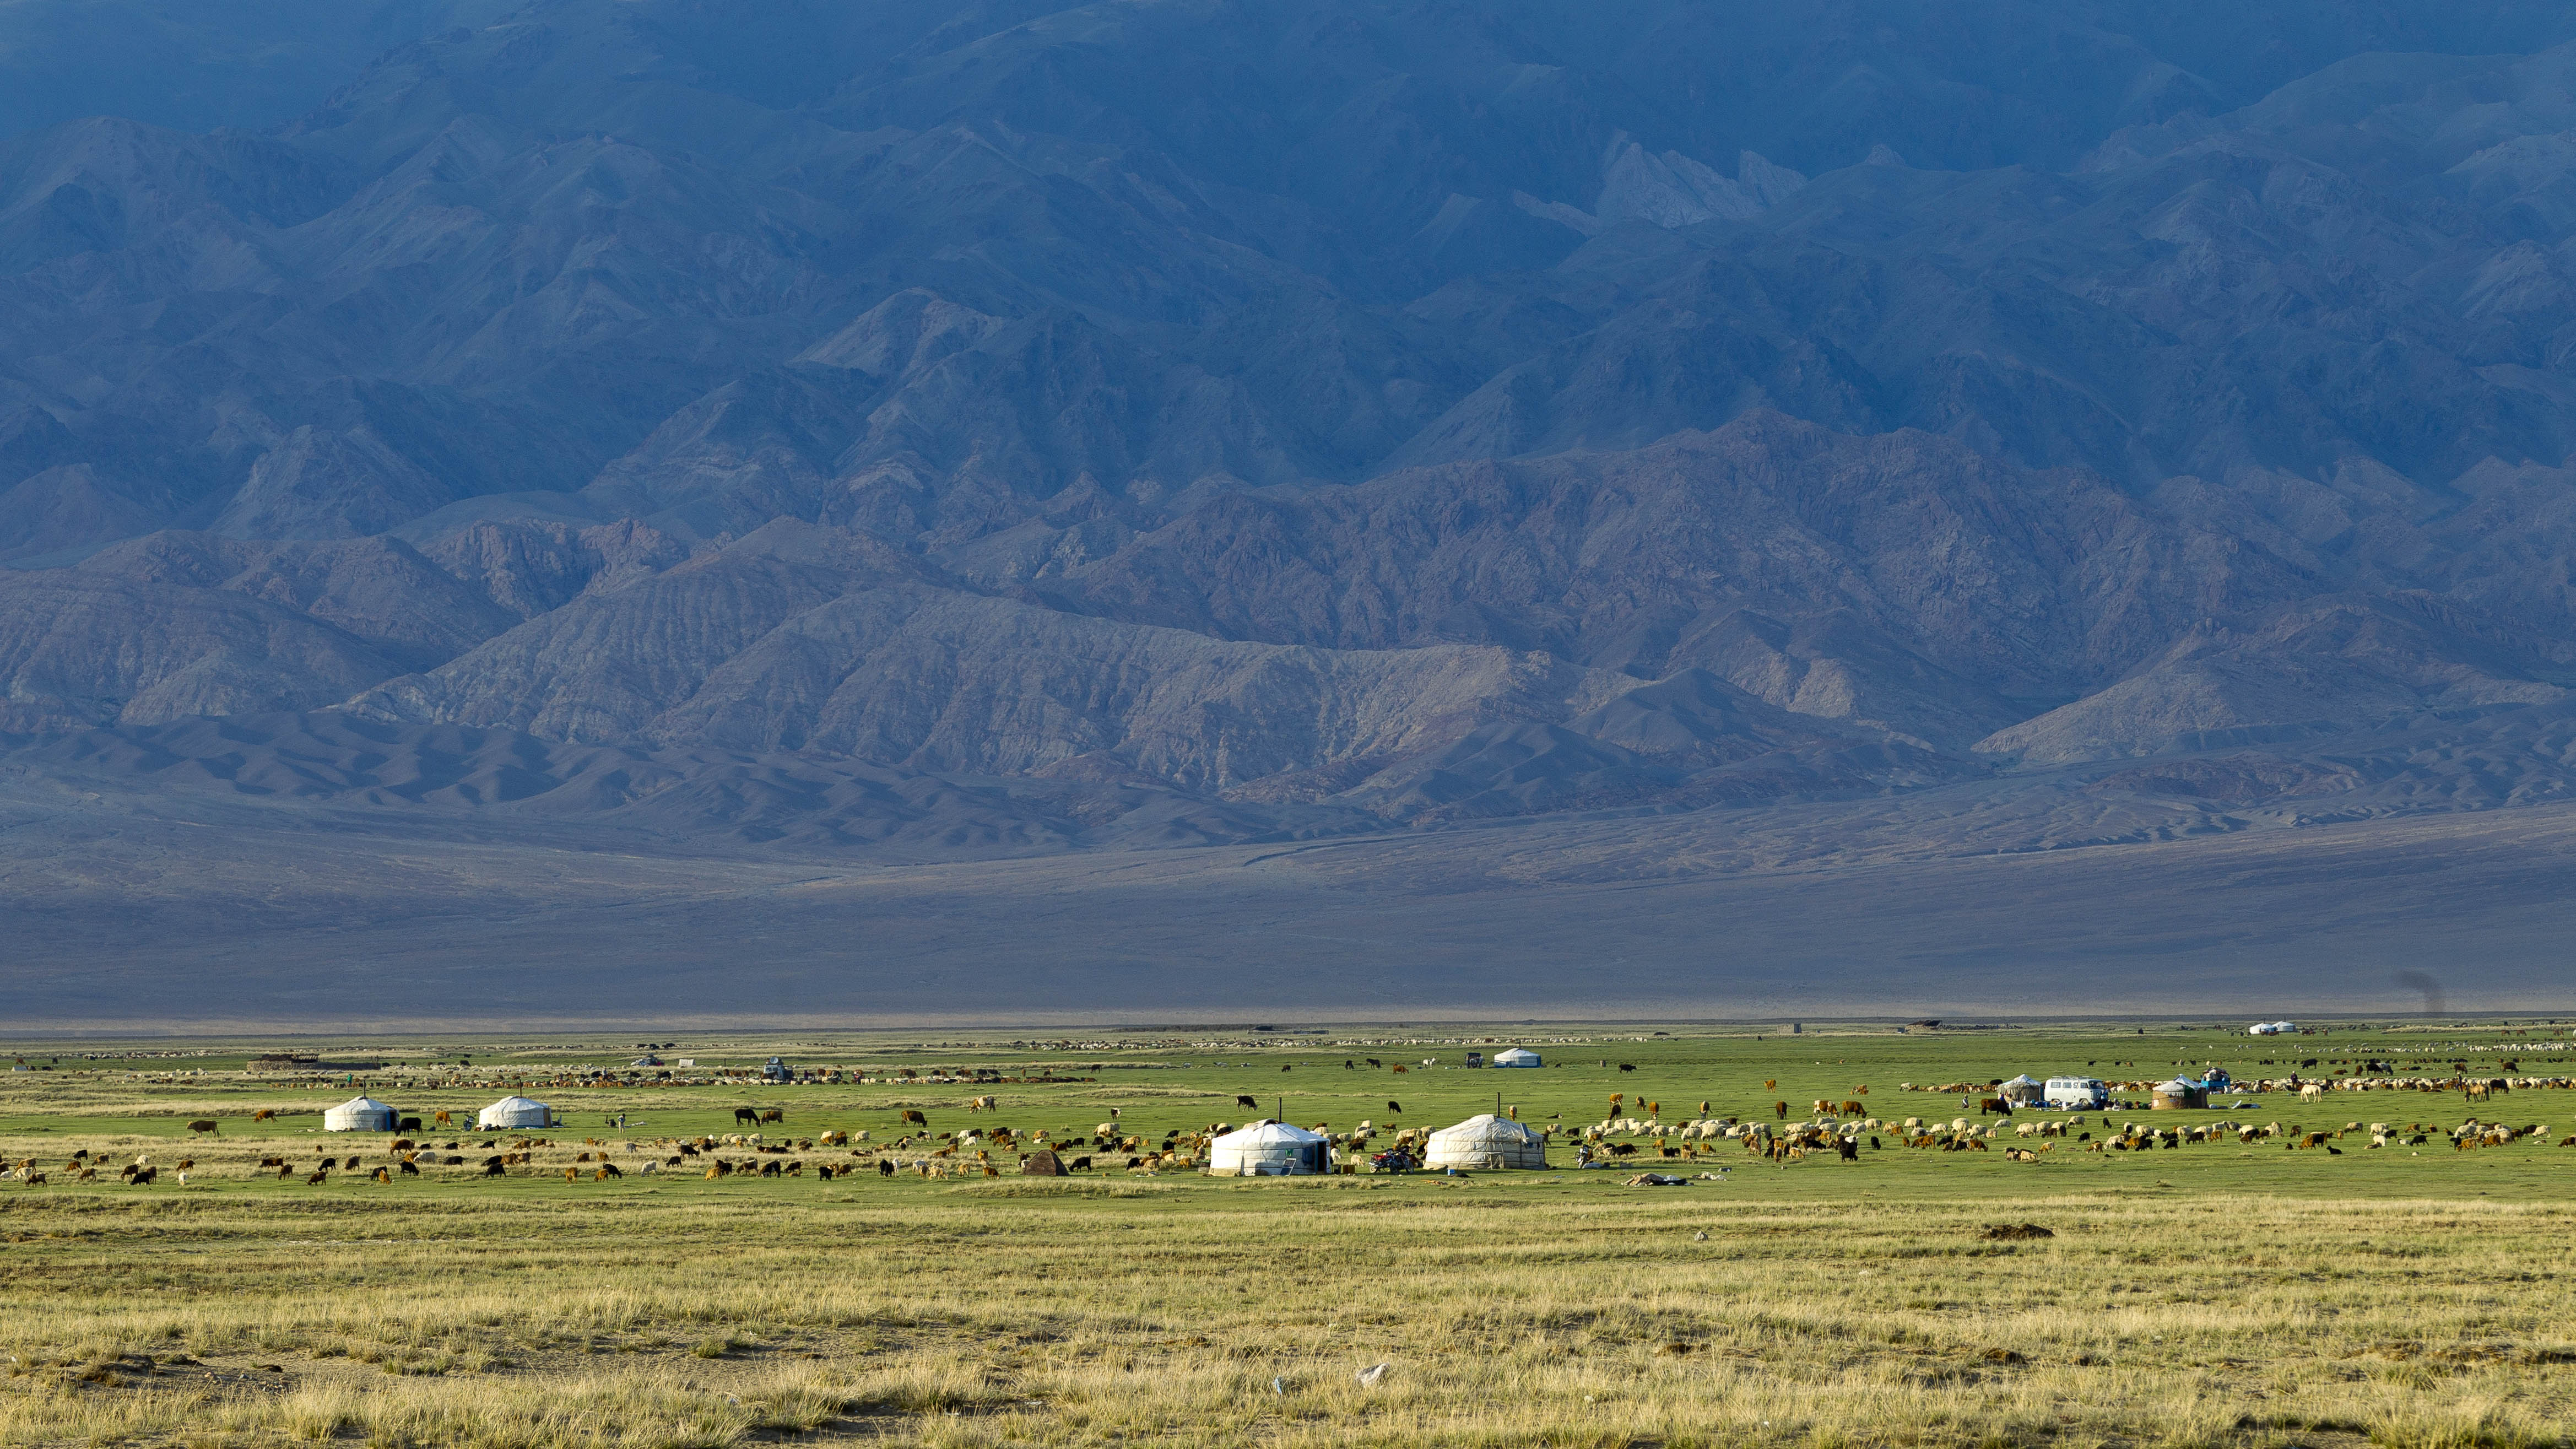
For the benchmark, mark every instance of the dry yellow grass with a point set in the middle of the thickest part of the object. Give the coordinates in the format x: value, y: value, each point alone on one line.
x: 1209, y: 1313
x: 2208, y: 1295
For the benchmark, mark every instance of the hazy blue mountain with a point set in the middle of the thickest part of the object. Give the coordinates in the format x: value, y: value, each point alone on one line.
x: 929, y: 430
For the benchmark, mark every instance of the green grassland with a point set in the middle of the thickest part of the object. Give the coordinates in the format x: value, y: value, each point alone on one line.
x: 2215, y: 1293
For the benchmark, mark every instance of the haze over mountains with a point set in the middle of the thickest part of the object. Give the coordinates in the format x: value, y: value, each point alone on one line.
x: 1685, y: 440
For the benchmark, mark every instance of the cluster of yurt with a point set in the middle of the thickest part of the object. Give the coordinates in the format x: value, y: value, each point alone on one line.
x: 2272, y: 1028
x: 514, y: 1112
x: 1270, y: 1149
x: 2023, y: 1091
x: 1487, y: 1142
x: 360, y: 1114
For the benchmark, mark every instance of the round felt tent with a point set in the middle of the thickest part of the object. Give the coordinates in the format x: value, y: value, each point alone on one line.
x: 2022, y: 1091
x: 1487, y: 1142
x: 359, y: 1114
x: 514, y: 1112
x: 1269, y: 1149
x: 2178, y: 1094
x: 1515, y: 1057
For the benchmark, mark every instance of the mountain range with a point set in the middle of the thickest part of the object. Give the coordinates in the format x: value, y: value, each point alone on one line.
x: 1656, y: 439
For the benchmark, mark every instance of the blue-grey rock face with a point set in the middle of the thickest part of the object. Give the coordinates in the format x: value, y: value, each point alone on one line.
x: 1009, y: 427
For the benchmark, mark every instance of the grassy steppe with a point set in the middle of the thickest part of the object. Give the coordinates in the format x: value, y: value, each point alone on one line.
x: 2211, y: 1294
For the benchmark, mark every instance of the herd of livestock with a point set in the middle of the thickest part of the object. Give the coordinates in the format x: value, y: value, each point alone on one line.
x: 1633, y: 1132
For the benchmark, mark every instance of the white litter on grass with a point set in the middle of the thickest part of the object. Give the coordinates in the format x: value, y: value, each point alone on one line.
x: 1279, y: 1386
x: 1369, y: 1376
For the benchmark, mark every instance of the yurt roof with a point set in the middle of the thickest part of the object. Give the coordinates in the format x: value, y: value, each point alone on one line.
x: 1487, y: 1127
x: 363, y: 1104
x: 2024, y: 1080
x: 1260, y: 1133
x: 1515, y: 1052
x: 2179, y: 1085
x: 515, y: 1104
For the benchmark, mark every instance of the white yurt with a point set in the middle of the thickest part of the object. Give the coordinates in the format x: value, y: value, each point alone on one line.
x: 359, y: 1114
x: 514, y: 1112
x: 1515, y: 1057
x: 2177, y: 1095
x: 2022, y: 1091
x: 1487, y: 1142
x: 1269, y: 1149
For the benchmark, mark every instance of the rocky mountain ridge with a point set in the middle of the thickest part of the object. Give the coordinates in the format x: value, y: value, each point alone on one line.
x: 1054, y: 427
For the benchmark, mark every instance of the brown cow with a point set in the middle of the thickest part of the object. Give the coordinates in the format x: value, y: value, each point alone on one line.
x: 264, y: 1114
x: 206, y: 1124
x: 774, y: 1114
x: 913, y: 1116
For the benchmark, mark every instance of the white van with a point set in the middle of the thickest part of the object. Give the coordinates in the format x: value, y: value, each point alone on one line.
x: 2077, y: 1094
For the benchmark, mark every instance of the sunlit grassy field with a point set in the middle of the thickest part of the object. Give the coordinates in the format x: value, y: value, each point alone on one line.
x: 2214, y: 1293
